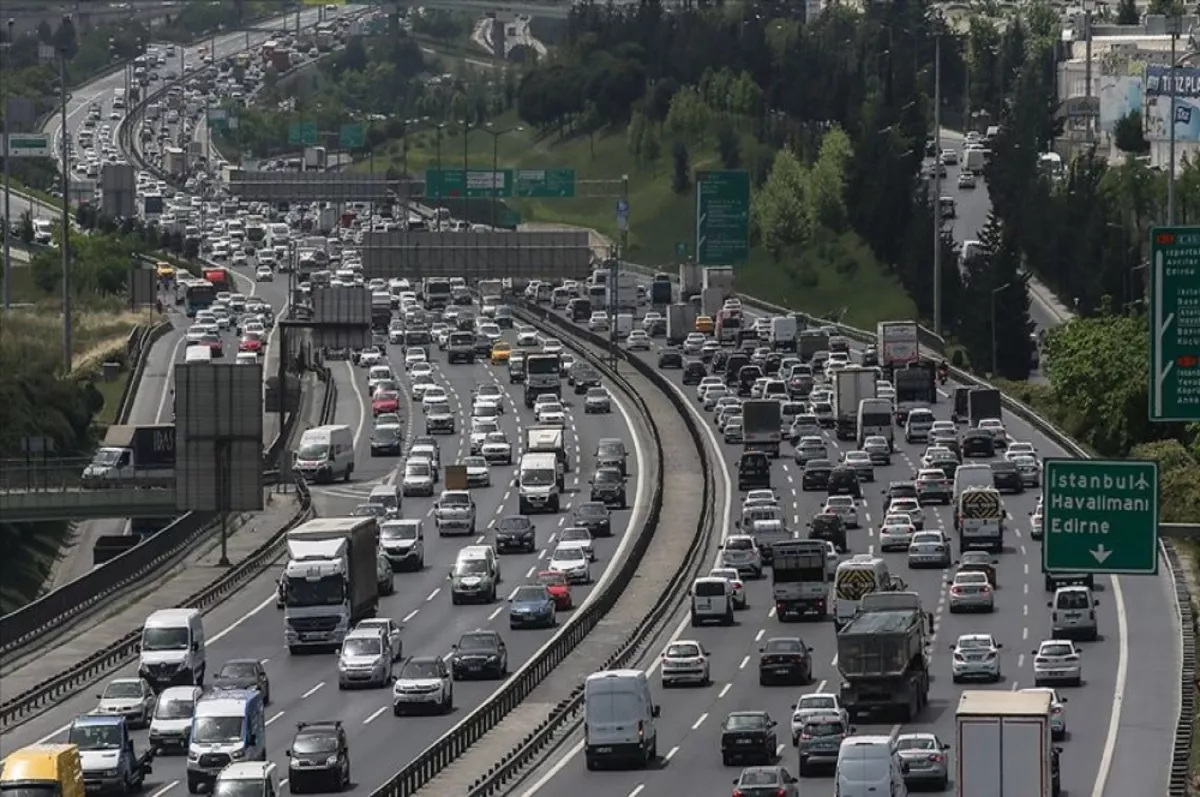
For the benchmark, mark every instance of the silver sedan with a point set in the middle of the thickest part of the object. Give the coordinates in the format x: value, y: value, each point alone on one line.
x: 971, y: 592
x: 926, y: 757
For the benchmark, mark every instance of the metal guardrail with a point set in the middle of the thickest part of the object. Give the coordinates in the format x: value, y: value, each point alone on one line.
x: 566, y: 711
x: 138, y: 353
x: 1183, y: 735
x: 439, y: 755
x: 136, y: 563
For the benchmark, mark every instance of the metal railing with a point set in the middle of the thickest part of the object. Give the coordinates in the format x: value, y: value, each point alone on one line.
x: 61, y: 604
x: 1183, y: 734
x: 439, y: 755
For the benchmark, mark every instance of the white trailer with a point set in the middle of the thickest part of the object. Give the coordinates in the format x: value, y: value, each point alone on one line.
x: 1004, y: 745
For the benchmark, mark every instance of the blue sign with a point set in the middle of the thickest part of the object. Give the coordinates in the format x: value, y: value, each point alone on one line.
x: 1158, y: 81
x: 622, y: 209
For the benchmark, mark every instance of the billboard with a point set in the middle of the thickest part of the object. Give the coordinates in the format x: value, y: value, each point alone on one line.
x: 544, y: 254
x: 1157, y: 88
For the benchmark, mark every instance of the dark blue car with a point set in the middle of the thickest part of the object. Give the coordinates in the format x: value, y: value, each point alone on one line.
x: 532, y: 606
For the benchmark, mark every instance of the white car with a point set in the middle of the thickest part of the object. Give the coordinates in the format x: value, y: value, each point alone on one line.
x: 420, y: 384
x: 638, y: 340
x: 552, y: 346
x: 1057, y: 661
x: 131, y: 698
x: 434, y: 394
x: 478, y: 474
x: 264, y: 274
x: 413, y: 356
x: 370, y: 357
x: 706, y: 384
x: 496, y: 449
x: 551, y: 413
x: 685, y: 661
x: 527, y: 336
x: 485, y: 407
x: 896, y: 534
x: 910, y: 507
x: 995, y: 427
x: 934, y: 455
x: 812, y: 704
x: 844, y: 507
x: 712, y: 395
x: 572, y: 563
x: 491, y: 394
x: 424, y: 682
x: 740, y: 601
x: 1035, y: 523
x: 419, y: 369
x: 976, y: 656
x: 598, y: 322
x: 1058, y: 711
x: 760, y: 498
x: 418, y: 478
x: 929, y: 549
x: 1020, y: 448
x: 578, y: 537
x: 693, y: 344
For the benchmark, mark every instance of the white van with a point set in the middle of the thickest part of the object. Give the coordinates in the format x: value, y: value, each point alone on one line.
x: 171, y: 725
x: 972, y: 476
x: 712, y: 600
x: 197, y: 354
x: 537, y: 484
x: 475, y: 575
x: 172, y: 649
x: 624, y: 325
x: 226, y: 726
x: 869, y: 766
x: 325, y: 453
x: 619, y: 718
x: 259, y: 778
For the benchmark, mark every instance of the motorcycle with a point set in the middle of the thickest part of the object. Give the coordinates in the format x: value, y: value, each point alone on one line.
x: 942, y: 377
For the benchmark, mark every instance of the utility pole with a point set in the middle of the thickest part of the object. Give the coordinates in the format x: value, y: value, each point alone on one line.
x: 65, y: 243
x: 1088, y: 5
x: 1175, y: 29
x: 937, y: 182
x: 8, y: 220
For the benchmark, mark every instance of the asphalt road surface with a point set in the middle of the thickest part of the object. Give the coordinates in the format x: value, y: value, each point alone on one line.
x: 1121, y: 721
x: 305, y: 687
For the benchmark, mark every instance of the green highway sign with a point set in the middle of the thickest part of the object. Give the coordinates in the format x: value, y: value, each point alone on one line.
x: 1100, y: 516
x: 352, y: 137
x: 1175, y: 324
x: 469, y: 184
x: 302, y: 133
x: 722, y: 217
x: 28, y: 145
x: 545, y: 183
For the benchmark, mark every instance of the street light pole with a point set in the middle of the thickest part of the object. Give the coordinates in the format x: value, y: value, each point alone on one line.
x: 1088, y: 7
x: 995, y: 347
x: 8, y: 232
x: 495, y: 134
x: 65, y: 243
x: 937, y: 182
x: 438, y: 220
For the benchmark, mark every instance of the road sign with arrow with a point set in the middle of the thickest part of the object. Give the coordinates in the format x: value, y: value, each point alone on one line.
x: 1100, y: 516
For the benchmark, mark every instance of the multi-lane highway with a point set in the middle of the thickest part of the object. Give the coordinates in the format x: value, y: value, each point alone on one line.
x: 305, y: 687
x: 1121, y: 721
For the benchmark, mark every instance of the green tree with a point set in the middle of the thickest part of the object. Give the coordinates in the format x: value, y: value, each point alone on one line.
x: 827, y: 182
x: 1127, y: 13
x: 651, y: 148
x: 729, y: 145
x: 780, y: 207
x: 689, y: 116
x: 998, y: 326
x: 1129, y: 136
x: 26, y: 227
x: 681, y: 175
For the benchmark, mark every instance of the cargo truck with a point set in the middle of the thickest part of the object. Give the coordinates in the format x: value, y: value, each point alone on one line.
x: 881, y: 656
x: 896, y: 344
x: 1004, y: 744
x: 330, y: 580
x: 851, y: 386
x: 622, y: 292
x: 719, y: 278
x: 762, y: 426
x: 711, y: 302
x: 916, y: 387
x: 690, y: 281
x: 799, y: 579
x: 381, y: 309
x: 681, y: 322
x: 661, y: 291
x: 144, y: 455
x: 43, y: 769
x: 107, y: 755
x: 983, y: 403
x: 549, y: 439
x: 810, y: 342
x: 543, y: 374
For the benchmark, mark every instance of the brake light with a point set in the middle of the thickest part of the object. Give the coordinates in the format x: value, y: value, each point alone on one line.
x: 1056, y: 710
x: 737, y: 793
x: 936, y: 758
x: 641, y: 729
x: 956, y: 590
x: 1040, y: 660
x: 781, y: 793
x: 806, y: 736
x: 959, y: 657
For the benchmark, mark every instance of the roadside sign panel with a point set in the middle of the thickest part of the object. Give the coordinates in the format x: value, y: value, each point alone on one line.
x: 1175, y: 324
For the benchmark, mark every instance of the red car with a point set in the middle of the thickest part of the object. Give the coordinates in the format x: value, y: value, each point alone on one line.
x: 556, y: 584
x: 215, y: 345
x: 251, y: 343
x: 385, y: 401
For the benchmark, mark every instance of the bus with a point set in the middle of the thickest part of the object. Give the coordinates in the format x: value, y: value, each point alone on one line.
x: 857, y: 576
x: 198, y: 295
x: 219, y: 278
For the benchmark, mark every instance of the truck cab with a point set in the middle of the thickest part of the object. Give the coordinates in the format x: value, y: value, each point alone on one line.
x: 107, y: 755
x: 49, y: 769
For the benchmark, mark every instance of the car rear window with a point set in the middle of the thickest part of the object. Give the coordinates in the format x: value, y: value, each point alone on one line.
x: 710, y: 589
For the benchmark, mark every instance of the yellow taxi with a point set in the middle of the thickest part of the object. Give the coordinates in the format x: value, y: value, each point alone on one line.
x: 501, y: 350
x: 704, y: 323
x: 165, y: 270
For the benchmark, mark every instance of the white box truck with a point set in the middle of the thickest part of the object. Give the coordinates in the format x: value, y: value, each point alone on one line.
x: 1004, y: 746
x: 681, y: 322
x: 850, y: 387
x: 718, y: 278
x: 690, y: 281
x: 897, y: 343
x: 762, y: 426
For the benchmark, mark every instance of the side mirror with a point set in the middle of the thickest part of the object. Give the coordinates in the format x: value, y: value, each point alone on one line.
x: 287, y: 753
x: 1063, y: 700
x: 253, y: 740
x: 945, y: 747
x: 737, y: 524
x: 1050, y: 604
x: 1096, y: 602
x: 656, y: 711
x: 999, y: 645
x: 1033, y: 652
x: 195, y: 647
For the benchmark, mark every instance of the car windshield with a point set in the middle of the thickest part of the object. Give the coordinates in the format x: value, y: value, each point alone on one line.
x: 470, y: 567
x: 591, y: 510
x: 399, y: 531
x: 970, y: 578
x: 607, y: 476
x: 417, y: 469
x: 120, y: 690
x: 174, y: 709
x: 524, y: 594
x: 758, y: 777
x: 309, y: 743
x: 739, y: 544
x: 818, y: 702
x: 538, y: 477
x: 420, y: 669
x: 575, y: 535
x: 362, y: 646
x: 597, y: 392
x: 1056, y: 650
x: 456, y: 499
x: 745, y: 722
x: 165, y: 639
x: 1073, y: 600
x: 514, y: 523
x: 477, y: 642
x: 212, y: 730
x: 438, y: 408
x: 683, y: 650
x: 96, y: 737
x: 475, y: 462
x: 238, y: 669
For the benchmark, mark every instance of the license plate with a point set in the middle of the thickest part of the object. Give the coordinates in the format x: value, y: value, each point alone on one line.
x: 604, y: 749
x: 1072, y: 615
x: 92, y: 786
x: 743, y: 741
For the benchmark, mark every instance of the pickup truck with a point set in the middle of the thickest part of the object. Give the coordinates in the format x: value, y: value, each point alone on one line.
x: 454, y: 513
x: 110, y: 762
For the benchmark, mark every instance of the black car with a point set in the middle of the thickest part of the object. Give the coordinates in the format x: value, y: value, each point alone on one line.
x: 479, y: 654
x: 816, y: 475
x: 899, y: 490
x: 844, y: 481
x: 754, y: 471
x: 516, y: 371
x: 693, y: 372
x: 244, y: 674
x: 828, y: 528
x: 319, y: 758
x: 1006, y: 477
x: 747, y: 376
x: 670, y: 358
x: 584, y: 378
x: 748, y: 736
x: 608, y: 487
x: 593, y: 516
x: 978, y: 443
x: 785, y: 660
x: 387, y: 440
x: 516, y: 533
x: 483, y: 346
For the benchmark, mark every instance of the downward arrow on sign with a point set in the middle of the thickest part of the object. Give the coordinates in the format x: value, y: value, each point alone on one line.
x: 1100, y: 553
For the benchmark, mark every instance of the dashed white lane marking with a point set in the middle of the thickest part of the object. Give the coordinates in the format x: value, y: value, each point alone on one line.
x: 312, y: 691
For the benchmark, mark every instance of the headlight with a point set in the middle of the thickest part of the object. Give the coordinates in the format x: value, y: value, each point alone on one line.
x: 111, y: 773
x: 237, y: 755
x: 341, y: 666
x: 331, y: 760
